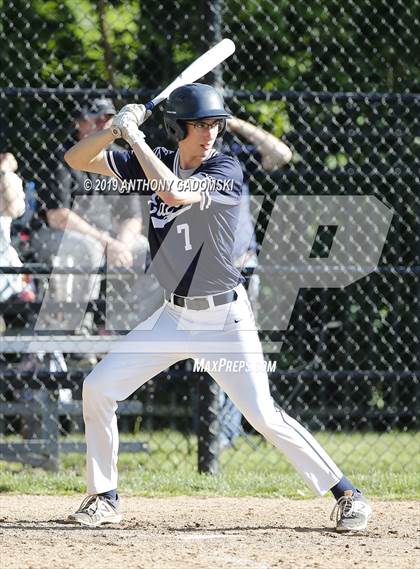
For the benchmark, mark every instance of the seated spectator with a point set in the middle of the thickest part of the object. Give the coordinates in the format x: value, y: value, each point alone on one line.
x: 12, y: 205
x: 77, y: 219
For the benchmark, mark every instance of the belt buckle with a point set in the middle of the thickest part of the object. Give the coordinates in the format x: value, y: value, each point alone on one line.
x: 197, y: 303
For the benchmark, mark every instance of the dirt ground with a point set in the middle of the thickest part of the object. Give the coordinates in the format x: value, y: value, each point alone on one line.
x: 184, y: 533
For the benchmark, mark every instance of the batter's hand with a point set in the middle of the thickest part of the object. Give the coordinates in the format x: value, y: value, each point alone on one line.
x: 129, y: 119
x: 118, y: 255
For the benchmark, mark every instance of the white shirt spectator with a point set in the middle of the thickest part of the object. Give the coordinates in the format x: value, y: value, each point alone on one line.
x: 12, y: 205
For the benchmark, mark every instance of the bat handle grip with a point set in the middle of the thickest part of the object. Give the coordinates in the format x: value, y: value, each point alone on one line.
x: 150, y: 106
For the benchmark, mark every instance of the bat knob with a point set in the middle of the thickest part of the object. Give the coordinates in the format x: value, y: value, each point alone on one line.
x: 150, y: 106
x: 116, y: 132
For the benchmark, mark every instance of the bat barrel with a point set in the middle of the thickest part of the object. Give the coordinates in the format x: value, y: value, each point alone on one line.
x: 200, y: 67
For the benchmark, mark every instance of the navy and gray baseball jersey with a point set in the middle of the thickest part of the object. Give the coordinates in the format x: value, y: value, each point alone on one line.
x: 195, y: 259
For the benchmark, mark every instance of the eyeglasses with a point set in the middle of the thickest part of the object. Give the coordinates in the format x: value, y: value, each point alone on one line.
x: 201, y: 125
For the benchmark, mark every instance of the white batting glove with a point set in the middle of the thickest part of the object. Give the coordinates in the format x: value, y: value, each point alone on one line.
x: 128, y: 120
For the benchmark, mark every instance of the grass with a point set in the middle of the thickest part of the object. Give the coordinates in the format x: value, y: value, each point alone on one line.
x: 385, y: 465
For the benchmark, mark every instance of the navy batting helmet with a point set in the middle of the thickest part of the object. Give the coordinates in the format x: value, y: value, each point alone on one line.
x: 190, y: 103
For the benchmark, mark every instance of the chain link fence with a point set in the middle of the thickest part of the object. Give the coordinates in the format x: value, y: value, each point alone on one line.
x: 336, y: 83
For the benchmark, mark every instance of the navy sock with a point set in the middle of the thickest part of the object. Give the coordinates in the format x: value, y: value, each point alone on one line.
x: 110, y: 495
x: 344, y: 484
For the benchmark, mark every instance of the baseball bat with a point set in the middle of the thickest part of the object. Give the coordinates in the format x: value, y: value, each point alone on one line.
x: 200, y: 67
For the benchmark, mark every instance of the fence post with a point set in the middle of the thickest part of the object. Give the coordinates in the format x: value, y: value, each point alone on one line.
x: 50, y: 426
x: 208, y: 429
x: 208, y: 390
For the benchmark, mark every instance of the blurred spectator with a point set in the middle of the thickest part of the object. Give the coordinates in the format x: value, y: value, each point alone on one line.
x: 12, y: 205
x: 93, y: 216
x: 261, y: 150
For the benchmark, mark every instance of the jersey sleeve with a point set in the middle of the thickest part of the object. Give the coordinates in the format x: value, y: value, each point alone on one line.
x: 124, y: 165
x: 220, y: 181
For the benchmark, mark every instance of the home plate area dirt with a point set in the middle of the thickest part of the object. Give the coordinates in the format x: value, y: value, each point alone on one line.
x: 185, y: 532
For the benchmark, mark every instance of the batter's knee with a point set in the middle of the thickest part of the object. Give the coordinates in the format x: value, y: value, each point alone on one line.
x: 95, y: 384
x: 90, y: 388
x: 262, y: 422
x: 258, y: 421
x: 99, y: 404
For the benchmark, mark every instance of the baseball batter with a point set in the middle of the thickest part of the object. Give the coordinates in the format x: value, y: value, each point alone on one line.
x: 194, y: 203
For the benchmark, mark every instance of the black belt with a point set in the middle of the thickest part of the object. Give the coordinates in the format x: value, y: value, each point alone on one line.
x: 201, y: 303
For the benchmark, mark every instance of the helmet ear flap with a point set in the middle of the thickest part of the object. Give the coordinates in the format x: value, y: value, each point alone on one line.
x: 176, y: 129
x: 222, y: 129
x: 182, y: 129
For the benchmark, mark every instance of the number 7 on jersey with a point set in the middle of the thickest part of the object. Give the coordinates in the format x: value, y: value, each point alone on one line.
x: 183, y: 227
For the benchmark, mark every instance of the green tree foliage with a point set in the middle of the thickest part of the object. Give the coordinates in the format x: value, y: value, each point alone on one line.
x: 366, y: 45
x: 39, y: 44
